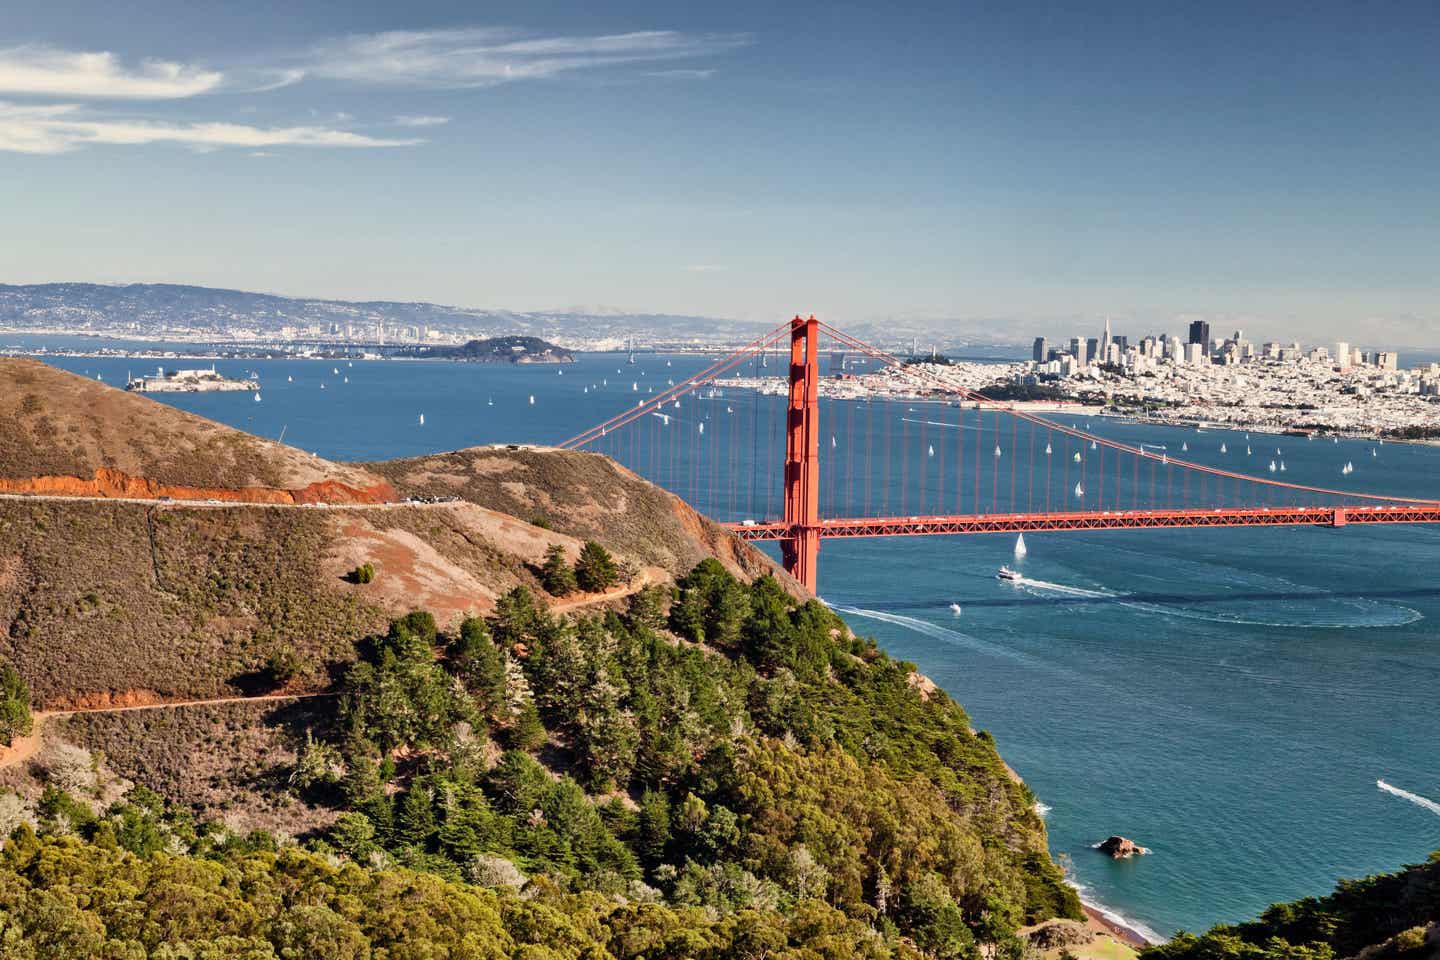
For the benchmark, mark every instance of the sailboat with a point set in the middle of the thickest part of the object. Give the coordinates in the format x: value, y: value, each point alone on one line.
x: 955, y: 609
x: 702, y: 426
x: 1223, y: 449
x: 335, y: 371
x: 729, y: 409
x: 422, y: 419
x: 1092, y: 444
x: 1020, y: 550
x: 1079, y: 490
x: 832, y: 436
x: 634, y: 386
x: 1077, y: 456
x: 532, y: 399
x: 1247, y: 449
x: 1373, y: 453
x: 490, y: 402
x: 289, y: 379
x: 930, y: 452
x: 1272, y: 466
x: 1048, y: 451
x: 1184, y: 446
x: 1282, y: 466
x: 257, y: 398
x: 997, y: 450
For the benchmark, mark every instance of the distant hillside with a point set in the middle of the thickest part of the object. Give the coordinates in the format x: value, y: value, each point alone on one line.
x: 499, y: 350
x: 62, y: 426
x: 149, y: 309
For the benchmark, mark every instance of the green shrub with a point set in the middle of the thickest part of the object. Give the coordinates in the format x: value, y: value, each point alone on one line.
x: 365, y: 573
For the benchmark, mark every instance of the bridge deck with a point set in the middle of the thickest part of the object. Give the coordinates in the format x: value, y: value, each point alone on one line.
x: 1099, y: 520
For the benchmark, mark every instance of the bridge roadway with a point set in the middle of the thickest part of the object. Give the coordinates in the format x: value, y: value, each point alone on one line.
x: 1331, y: 516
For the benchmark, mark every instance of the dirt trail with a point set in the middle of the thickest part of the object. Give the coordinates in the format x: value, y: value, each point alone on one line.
x: 27, y: 746
x: 643, y: 579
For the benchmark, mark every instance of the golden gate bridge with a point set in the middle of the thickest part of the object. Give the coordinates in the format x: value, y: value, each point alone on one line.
x: 982, y: 466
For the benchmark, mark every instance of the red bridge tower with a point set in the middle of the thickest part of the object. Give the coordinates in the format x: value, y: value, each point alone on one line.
x: 800, y: 550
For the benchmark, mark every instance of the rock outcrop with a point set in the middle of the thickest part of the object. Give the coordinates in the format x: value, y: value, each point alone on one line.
x: 1121, y: 848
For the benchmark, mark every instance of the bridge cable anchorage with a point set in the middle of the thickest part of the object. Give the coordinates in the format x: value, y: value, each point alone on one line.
x: 783, y: 426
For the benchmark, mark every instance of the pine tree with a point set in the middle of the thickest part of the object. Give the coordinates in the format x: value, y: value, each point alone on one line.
x: 595, y: 570
x: 557, y: 576
x: 15, y: 719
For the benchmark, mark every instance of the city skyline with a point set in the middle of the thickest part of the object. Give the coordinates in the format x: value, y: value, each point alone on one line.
x: 999, y: 171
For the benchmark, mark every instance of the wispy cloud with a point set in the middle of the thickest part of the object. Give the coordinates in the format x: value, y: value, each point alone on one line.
x: 682, y: 74
x: 59, y: 128
x: 46, y: 71
x: 480, y: 56
x: 421, y: 120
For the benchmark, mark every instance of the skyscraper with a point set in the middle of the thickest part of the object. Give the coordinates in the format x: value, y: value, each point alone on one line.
x: 1200, y: 333
x: 1038, y: 353
x: 1105, y: 340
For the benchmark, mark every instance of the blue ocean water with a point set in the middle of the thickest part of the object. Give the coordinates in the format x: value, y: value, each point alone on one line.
x: 1228, y: 698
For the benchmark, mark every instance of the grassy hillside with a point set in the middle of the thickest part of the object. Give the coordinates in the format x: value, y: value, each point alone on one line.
x: 56, y: 423
x: 1394, y: 915
x: 583, y: 494
x: 126, y: 602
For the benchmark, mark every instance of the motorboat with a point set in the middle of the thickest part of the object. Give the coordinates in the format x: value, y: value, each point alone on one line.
x: 1005, y: 573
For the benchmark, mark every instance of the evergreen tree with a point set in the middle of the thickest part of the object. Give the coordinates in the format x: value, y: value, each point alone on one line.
x: 654, y: 827
x: 557, y: 576
x: 480, y: 665
x: 15, y: 719
x: 595, y: 570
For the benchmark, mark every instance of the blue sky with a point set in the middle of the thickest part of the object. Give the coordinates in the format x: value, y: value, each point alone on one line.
x: 1021, y: 166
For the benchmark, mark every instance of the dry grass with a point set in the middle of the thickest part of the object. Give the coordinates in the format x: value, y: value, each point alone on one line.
x: 227, y: 762
x: 585, y: 495
x: 56, y: 423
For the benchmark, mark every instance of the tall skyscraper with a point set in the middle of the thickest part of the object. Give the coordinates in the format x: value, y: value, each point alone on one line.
x: 1105, y: 340
x: 1038, y: 352
x: 1077, y: 350
x: 1200, y: 333
x: 1342, y: 354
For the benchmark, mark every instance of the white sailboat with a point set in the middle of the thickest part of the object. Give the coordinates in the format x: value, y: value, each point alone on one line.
x: 930, y: 452
x: 289, y: 379
x: 1020, y: 550
x: 1077, y: 456
x: 1048, y: 451
x: 702, y: 426
x: 1184, y: 446
x: 1247, y: 449
x: 1223, y: 448
x: 257, y: 398
x: 422, y: 419
x: 532, y: 399
x: 997, y: 450
x: 1282, y: 466
x: 1079, y: 490
x: 1272, y: 466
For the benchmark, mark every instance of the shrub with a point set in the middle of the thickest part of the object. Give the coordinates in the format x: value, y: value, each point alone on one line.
x: 595, y: 570
x: 364, y: 573
x: 283, y: 664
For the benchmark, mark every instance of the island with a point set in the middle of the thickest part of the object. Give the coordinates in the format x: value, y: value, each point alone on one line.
x: 515, y: 349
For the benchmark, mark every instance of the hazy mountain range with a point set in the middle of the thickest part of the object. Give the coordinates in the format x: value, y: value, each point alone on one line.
x: 161, y: 310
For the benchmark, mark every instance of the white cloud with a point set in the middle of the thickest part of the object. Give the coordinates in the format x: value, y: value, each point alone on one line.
x: 31, y: 70
x: 479, y: 56
x: 421, y: 120
x: 682, y: 74
x: 58, y: 128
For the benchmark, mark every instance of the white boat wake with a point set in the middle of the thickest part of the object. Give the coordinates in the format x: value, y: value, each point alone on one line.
x: 1415, y: 798
x: 938, y: 632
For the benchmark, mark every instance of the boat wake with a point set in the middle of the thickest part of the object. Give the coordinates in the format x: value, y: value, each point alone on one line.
x: 954, y: 637
x: 1352, y: 613
x: 1415, y: 798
